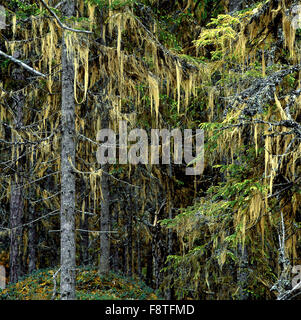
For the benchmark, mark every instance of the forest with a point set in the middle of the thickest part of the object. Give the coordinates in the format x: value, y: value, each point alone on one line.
x: 150, y: 149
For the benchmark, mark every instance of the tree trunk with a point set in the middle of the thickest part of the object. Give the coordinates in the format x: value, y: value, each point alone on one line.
x: 130, y: 240
x: 31, y: 240
x: 105, y: 223
x: 169, y: 252
x: 156, y: 256
x: 149, y: 267
x: 115, y: 253
x: 16, y: 198
x: 84, y: 244
x: 125, y: 254
x: 67, y: 175
x: 168, y: 293
x: 235, y: 5
x: 16, y: 214
x: 139, y: 266
x: 32, y: 226
x: 242, y: 274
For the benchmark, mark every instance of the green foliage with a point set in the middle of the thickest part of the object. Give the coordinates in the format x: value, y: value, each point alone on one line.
x: 220, y: 32
x: 89, y: 286
x: 23, y: 9
x: 115, y: 5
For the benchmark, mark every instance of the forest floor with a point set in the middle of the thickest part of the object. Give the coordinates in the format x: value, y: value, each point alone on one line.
x: 89, y: 286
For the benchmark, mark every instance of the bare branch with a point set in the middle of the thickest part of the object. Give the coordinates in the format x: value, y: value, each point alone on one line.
x: 22, y: 64
x: 283, y: 282
x: 82, y: 230
x: 98, y: 172
x: 31, y: 222
x: 59, y: 4
x: 54, y: 284
x: 63, y: 26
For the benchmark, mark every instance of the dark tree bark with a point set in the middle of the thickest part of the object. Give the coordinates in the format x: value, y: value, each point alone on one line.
x: 139, y: 265
x: 169, y: 232
x: 84, y: 239
x: 16, y: 214
x: 242, y: 273
x: 125, y: 254
x: 114, y: 250
x: 169, y: 252
x: 149, y: 267
x: 32, y: 226
x: 105, y: 223
x: 129, y: 227
x: 158, y: 249
x: 31, y: 240
x: 128, y: 239
x: 235, y: 5
x: 156, y: 255
x: 16, y: 198
x: 67, y: 175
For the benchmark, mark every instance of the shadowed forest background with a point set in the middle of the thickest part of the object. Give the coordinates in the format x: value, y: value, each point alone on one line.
x: 72, y: 228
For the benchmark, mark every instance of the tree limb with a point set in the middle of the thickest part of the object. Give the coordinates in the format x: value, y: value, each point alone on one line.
x: 63, y: 26
x: 54, y: 283
x: 22, y: 64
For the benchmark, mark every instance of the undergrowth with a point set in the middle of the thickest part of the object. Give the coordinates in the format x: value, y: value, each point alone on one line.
x: 89, y: 286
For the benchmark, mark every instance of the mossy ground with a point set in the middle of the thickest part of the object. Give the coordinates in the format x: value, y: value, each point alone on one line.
x: 89, y: 286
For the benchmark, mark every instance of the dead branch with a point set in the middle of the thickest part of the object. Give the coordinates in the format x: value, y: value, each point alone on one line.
x: 63, y: 26
x: 22, y: 64
x: 54, y: 283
